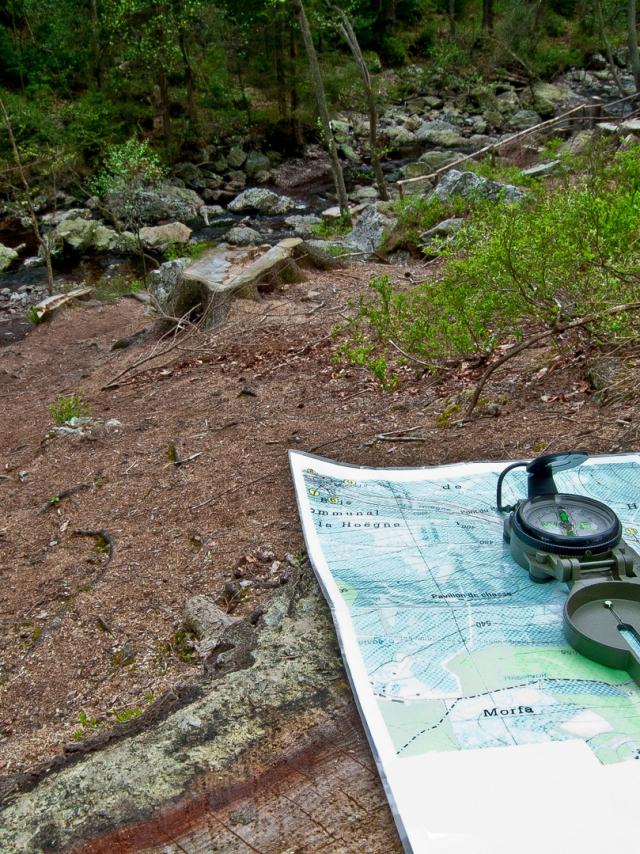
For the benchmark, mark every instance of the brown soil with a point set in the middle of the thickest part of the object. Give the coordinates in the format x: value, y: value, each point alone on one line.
x: 82, y: 633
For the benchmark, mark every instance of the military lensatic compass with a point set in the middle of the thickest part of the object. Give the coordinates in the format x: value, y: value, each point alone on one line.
x: 579, y: 540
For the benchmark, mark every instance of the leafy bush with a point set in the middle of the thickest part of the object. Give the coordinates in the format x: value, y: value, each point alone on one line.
x: 65, y: 408
x: 128, y: 166
x: 562, y: 254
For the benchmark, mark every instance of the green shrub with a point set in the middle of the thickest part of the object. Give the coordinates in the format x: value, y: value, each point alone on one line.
x: 66, y: 408
x: 564, y: 253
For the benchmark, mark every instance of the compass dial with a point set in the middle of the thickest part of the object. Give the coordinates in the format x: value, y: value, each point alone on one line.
x: 567, y: 523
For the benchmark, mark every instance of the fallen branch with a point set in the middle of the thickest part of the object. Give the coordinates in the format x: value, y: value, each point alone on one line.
x: 558, y: 329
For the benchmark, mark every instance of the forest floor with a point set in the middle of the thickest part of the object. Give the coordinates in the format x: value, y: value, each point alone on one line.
x: 88, y: 638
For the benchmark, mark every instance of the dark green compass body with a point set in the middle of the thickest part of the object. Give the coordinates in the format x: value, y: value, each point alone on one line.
x: 578, y: 540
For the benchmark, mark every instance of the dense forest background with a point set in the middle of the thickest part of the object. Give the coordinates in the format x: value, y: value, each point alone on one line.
x: 80, y: 76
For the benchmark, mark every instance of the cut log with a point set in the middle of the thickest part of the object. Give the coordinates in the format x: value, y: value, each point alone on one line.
x: 220, y: 275
x: 47, y: 306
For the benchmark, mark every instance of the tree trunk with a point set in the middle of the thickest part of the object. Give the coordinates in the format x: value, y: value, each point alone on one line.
x: 452, y: 18
x: 607, y: 44
x: 96, y: 53
x: 27, y: 192
x: 163, y: 84
x: 487, y: 15
x: 190, y: 80
x: 296, y: 124
x: 323, y: 110
x: 351, y: 39
x: 634, y: 56
x: 278, y: 51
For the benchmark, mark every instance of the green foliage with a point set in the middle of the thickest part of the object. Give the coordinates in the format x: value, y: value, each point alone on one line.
x: 32, y: 315
x: 87, y: 727
x: 128, y: 167
x: 123, y: 715
x: 67, y: 407
x: 110, y: 289
x: 328, y: 229
x: 565, y: 252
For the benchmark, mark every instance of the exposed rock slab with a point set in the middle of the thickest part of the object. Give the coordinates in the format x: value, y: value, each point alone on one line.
x: 247, y: 723
x: 468, y: 185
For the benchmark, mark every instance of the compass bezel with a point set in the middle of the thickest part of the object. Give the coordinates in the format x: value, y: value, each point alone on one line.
x: 537, y: 538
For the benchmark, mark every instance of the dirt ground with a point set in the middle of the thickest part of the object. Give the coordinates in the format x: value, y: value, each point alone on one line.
x: 104, y: 538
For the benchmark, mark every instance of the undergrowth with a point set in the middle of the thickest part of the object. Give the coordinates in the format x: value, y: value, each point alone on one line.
x: 567, y: 251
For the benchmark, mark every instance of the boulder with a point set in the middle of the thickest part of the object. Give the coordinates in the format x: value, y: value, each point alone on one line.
x: 415, y: 170
x: 579, y: 142
x: 263, y: 201
x: 446, y: 228
x: 547, y: 97
x: 631, y: 126
x: 373, y: 227
x: 85, y: 235
x: 236, y: 157
x: 541, y: 169
x: 437, y: 159
x: 151, y: 206
x: 397, y: 137
x: 205, y: 619
x: 256, y: 162
x: 161, y: 237
x: 303, y: 225
x: 7, y: 257
x: 242, y: 235
x: 524, y: 119
x: 440, y: 133
x: 468, y: 185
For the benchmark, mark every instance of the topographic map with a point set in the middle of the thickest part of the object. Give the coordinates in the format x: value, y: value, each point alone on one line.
x: 461, y: 649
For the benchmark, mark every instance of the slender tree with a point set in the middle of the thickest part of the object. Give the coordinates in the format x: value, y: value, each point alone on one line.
x: 634, y: 55
x: 27, y: 195
x: 323, y: 110
x: 348, y: 33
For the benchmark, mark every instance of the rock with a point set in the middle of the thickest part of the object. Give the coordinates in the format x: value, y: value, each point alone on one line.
x: 631, y: 126
x: 437, y: 159
x: 263, y: 201
x: 597, y: 62
x: 155, y: 205
x: 547, y: 97
x: 84, y: 235
x: 541, y: 169
x: 56, y: 217
x: 373, y: 227
x: 507, y: 102
x: 608, y: 128
x: 33, y: 261
x: 161, y: 237
x: 468, y: 185
x: 205, y: 619
x: 365, y: 193
x: 446, y: 228
x: 164, y: 281
x: 236, y: 157
x: 607, y: 373
x: 415, y: 170
x: 7, y: 257
x: 397, y: 137
x: 440, y: 133
x: 579, y: 142
x: 524, y: 119
x: 494, y: 119
x: 256, y: 162
x: 242, y: 235
x: 303, y: 225
x: 188, y: 172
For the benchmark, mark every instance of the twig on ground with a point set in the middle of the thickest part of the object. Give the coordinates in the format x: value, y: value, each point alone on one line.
x: 541, y: 336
